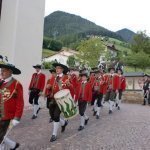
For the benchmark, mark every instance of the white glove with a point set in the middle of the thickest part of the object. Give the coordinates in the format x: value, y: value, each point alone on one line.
x: 15, y: 122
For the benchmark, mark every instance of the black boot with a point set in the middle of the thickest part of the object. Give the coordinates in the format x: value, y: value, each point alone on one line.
x: 86, y: 121
x: 64, y: 127
x: 34, y: 117
x: 94, y: 113
x: 17, y: 146
x: 97, y: 117
x: 53, y: 138
x: 80, y: 128
x: 110, y: 111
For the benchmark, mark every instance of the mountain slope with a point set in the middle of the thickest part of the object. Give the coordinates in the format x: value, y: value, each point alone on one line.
x: 126, y: 34
x: 61, y: 23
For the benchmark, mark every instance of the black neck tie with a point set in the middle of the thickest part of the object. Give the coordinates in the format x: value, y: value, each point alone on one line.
x: 57, y: 78
x: 1, y: 82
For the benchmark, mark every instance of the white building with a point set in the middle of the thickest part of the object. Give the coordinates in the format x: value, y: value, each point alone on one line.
x: 21, y: 35
x: 61, y: 56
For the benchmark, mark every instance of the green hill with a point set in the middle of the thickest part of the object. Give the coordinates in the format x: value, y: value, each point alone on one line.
x: 59, y: 24
x: 126, y: 34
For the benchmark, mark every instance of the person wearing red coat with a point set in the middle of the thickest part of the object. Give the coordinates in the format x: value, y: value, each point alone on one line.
x: 98, y: 88
x: 83, y: 96
x: 48, y: 91
x: 36, y: 88
x: 11, y: 102
x: 112, y: 81
x: 56, y: 84
x: 122, y: 87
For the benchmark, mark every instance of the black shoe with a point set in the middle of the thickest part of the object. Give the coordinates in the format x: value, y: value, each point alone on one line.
x: 17, y: 145
x: 53, y: 138
x: 110, y: 111
x: 38, y: 110
x: 80, y: 128
x: 94, y: 113
x: 64, y: 127
x: 97, y: 117
x: 34, y: 117
x: 86, y: 121
x: 50, y: 120
x: 116, y: 105
x: 118, y: 108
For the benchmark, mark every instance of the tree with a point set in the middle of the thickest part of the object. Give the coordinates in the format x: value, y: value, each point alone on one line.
x: 141, y: 43
x: 71, y: 61
x: 89, y: 51
x: 138, y: 60
x: 55, y: 45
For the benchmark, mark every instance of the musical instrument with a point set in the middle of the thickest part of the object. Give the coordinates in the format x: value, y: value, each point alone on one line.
x: 66, y: 103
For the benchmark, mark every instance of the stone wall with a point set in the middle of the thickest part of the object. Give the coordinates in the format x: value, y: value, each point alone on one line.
x: 133, y: 97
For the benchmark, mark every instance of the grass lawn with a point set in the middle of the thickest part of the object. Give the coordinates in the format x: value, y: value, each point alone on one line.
x: 47, y: 53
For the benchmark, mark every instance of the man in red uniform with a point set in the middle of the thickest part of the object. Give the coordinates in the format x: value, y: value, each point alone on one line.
x: 83, y: 96
x: 48, y: 91
x: 122, y: 87
x: 98, y: 88
x: 36, y: 88
x: 112, y: 81
x: 56, y: 84
x: 11, y: 102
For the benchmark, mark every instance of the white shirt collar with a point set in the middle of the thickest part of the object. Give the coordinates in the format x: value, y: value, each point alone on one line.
x: 84, y: 82
x: 8, y: 79
x: 60, y: 75
x: 39, y: 72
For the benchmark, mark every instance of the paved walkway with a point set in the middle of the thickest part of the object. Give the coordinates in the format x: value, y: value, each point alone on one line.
x: 127, y: 129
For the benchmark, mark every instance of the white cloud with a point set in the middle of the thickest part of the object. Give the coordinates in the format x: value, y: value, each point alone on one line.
x: 111, y: 14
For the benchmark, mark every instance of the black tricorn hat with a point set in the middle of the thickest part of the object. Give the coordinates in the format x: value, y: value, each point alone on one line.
x: 83, y: 74
x: 14, y: 70
x: 37, y: 66
x: 66, y: 69
x: 146, y: 75
x: 52, y: 70
x: 119, y: 69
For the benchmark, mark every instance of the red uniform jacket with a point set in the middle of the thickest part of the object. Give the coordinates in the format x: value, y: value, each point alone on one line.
x: 84, y: 93
x: 98, y: 85
x: 111, y: 81
x: 37, y: 81
x: 11, y: 100
x: 74, y: 80
x: 48, y: 91
x: 62, y: 84
x: 122, y: 83
x: 92, y: 80
x: 104, y: 86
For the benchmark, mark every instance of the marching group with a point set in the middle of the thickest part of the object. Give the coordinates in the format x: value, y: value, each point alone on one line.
x: 85, y: 88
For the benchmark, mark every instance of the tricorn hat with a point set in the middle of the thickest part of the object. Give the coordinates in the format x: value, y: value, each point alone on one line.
x: 119, y: 69
x: 83, y: 74
x: 52, y: 70
x: 66, y: 69
x: 14, y: 70
x: 37, y: 66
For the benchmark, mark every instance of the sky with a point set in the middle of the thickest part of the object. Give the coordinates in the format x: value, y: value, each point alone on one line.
x: 111, y: 14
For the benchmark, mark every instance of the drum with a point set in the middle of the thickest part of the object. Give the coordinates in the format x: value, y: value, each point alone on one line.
x: 66, y: 103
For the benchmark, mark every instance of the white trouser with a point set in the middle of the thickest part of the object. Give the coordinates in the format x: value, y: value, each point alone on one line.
x: 35, y: 109
x: 111, y: 104
x: 10, y: 143
x: 98, y: 111
x: 55, y: 128
x: 95, y: 105
x: 82, y: 121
